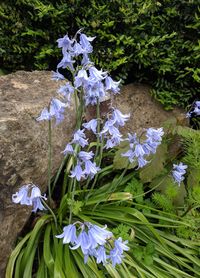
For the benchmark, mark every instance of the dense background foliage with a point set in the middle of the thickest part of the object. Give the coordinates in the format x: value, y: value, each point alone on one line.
x: 142, y: 40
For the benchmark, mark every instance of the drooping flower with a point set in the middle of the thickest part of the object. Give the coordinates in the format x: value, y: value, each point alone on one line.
x: 112, y: 85
x: 80, y: 138
x: 98, y: 235
x: 22, y: 197
x: 83, y: 241
x: 101, y: 256
x: 69, y: 234
x: 178, y: 172
x: 68, y: 149
x: 35, y: 198
x: 66, y: 62
x: 91, y: 169
x: 66, y: 90
x: 85, y: 156
x: 138, y: 150
x: 77, y: 172
x: 29, y: 195
x: 118, y: 118
x: 97, y: 75
x: 65, y: 43
x: 85, y: 43
x: 57, y: 109
x: 116, y: 254
x: 120, y: 245
x: 57, y: 76
x: 155, y: 134
x: 91, y: 125
x: 81, y: 78
x: 44, y: 116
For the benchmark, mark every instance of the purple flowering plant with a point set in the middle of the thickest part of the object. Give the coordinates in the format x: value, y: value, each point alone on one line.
x: 73, y: 224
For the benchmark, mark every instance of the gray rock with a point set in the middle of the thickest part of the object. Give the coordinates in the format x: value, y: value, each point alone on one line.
x: 144, y: 110
x: 24, y: 146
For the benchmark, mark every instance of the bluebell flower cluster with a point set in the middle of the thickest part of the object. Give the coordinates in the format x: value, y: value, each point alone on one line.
x: 56, y: 110
x: 179, y: 172
x: 96, y: 242
x: 29, y: 195
x: 110, y: 130
x: 84, y: 166
x: 93, y: 83
x: 138, y: 151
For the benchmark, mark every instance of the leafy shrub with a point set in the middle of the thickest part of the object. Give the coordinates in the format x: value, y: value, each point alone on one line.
x: 148, y: 41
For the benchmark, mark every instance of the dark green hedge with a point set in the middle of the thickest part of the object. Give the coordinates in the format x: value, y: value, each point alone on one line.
x: 141, y: 40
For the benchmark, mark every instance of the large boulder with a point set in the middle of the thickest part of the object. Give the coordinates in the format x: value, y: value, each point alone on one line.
x: 144, y: 110
x: 24, y: 146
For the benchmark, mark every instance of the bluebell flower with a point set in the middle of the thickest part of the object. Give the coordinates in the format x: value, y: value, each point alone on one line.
x: 37, y: 204
x: 83, y: 241
x: 81, y: 78
x: 77, y: 49
x: 69, y: 234
x: 97, y: 75
x: 115, y: 257
x: 22, y: 197
x: 80, y: 138
x: 141, y: 162
x: 86, y: 60
x: 35, y: 198
x: 111, y: 129
x: 112, y: 85
x: 90, y: 252
x: 85, y: 43
x: 66, y: 62
x: 130, y: 154
x: 57, y: 109
x: 116, y: 254
x: 118, y: 118
x: 91, y: 125
x: 150, y: 147
x: 85, y: 156
x: 29, y: 195
x: 66, y: 90
x: 44, y: 116
x: 101, y: 256
x: 98, y: 235
x: 91, y: 168
x: 65, y: 43
x: 68, y: 149
x: 139, y: 150
x: 178, y: 172
x: 57, y: 76
x: 77, y: 172
x: 94, y: 91
x: 113, y: 141
x: 121, y: 245
x: 155, y: 134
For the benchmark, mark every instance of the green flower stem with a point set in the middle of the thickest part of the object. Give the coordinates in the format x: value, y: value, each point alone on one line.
x: 72, y: 201
x: 49, y: 159
x: 98, y: 127
x: 50, y: 210
x: 67, y: 170
x: 115, y: 185
x: 59, y: 171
